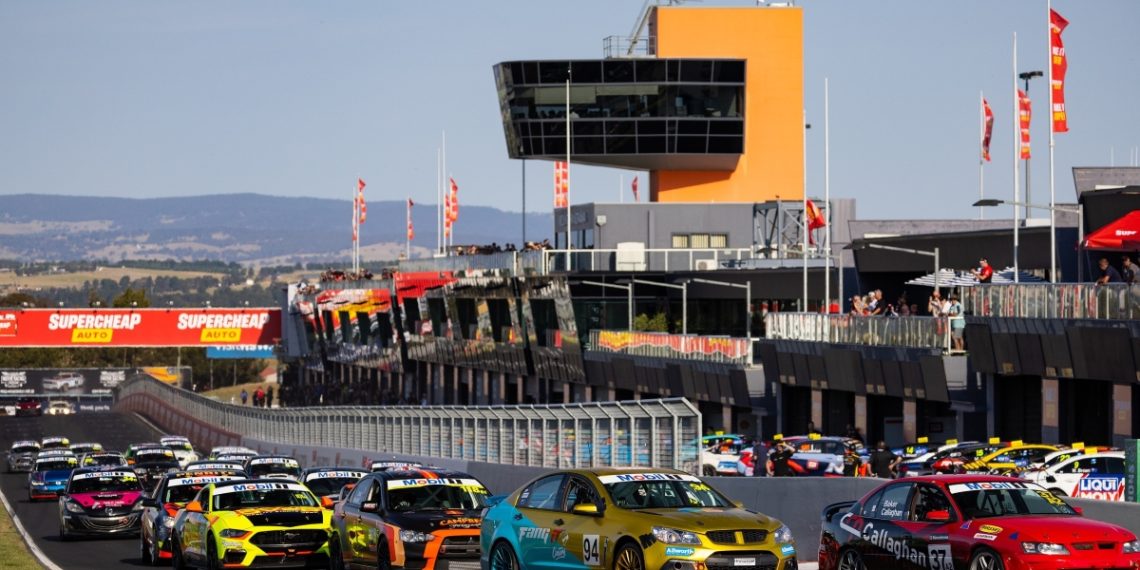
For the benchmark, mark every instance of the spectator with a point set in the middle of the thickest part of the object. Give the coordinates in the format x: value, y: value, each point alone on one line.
x: 244, y: 396
x: 984, y: 272
x: 1108, y: 273
x: 1128, y: 271
x: 760, y: 459
x: 857, y: 306
x: 781, y: 458
x: 936, y: 306
x: 883, y: 461
x: 957, y: 322
x: 851, y: 461
x: 269, y: 397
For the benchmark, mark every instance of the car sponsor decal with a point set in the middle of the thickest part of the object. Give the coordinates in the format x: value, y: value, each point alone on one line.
x: 534, y: 533
x: 274, y: 461
x: 744, y: 561
x: 985, y: 536
x: 787, y: 550
x: 209, y: 466
x: 182, y: 481
x: 462, y: 522
x: 1102, y: 487
x: 259, y: 487
x: 852, y: 523
x: 629, y: 477
x: 965, y: 487
x: 990, y: 529
x: 940, y: 558
x: 681, y: 551
x: 469, y: 485
x: 1049, y: 497
x: 891, y: 510
x: 124, y: 475
x: 900, y: 548
x: 559, y: 553
x: 335, y: 475
x: 267, y: 510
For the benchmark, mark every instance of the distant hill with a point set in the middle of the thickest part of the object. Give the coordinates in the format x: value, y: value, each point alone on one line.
x: 232, y: 227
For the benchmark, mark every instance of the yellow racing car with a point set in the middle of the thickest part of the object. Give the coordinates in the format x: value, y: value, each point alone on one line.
x: 252, y: 523
x: 629, y: 519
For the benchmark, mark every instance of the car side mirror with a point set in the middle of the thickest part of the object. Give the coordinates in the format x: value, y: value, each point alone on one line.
x: 371, y: 507
x: 938, y: 516
x: 588, y: 509
x: 327, y: 502
x: 738, y: 504
x: 194, y: 507
x: 1079, y: 510
x: 1050, y: 479
x: 149, y: 502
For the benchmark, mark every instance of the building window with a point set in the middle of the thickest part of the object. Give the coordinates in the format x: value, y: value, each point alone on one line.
x: 718, y: 241
x: 680, y: 241
x: 699, y: 241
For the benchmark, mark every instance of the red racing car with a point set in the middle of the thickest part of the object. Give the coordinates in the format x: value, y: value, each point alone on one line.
x: 979, y: 522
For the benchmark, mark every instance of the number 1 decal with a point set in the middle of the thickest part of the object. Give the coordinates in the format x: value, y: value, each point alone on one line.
x: 590, y: 550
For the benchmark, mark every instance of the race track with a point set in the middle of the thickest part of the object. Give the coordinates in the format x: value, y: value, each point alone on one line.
x: 41, y: 519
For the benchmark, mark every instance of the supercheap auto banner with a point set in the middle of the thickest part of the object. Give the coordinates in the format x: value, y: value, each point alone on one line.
x: 53, y: 382
x: 621, y: 340
x: 139, y: 327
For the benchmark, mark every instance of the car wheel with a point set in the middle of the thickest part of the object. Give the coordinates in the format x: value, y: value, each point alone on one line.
x: 986, y: 559
x: 212, y: 560
x: 336, y: 557
x: 176, y: 559
x: 383, y: 561
x: 629, y: 557
x: 1058, y: 492
x: 144, y: 551
x: 63, y: 536
x: 708, y: 471
x: 503, y: 557
x: 851, y: 560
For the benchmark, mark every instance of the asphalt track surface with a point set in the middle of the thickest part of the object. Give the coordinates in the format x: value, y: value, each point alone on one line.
x: 41, y: 519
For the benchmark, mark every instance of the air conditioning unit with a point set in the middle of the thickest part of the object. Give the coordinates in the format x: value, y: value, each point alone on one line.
x: 707, y: 265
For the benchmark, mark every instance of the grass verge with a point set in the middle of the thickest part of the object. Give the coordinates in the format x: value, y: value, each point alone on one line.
x: 12, y: 545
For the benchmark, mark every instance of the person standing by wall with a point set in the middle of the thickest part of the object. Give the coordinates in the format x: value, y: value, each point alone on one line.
x: 883, y: 461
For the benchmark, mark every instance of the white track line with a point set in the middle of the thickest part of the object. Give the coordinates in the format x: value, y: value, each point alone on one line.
x: 39, y: 554
x: 148, y: 422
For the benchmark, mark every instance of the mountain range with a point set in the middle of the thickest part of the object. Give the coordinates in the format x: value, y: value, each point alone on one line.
x: 246, y: 228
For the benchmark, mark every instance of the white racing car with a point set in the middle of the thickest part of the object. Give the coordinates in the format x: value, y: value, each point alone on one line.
x: 1094, y: 475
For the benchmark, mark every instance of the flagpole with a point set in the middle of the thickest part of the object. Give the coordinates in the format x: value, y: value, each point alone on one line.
x: 621, y: 188
x: 981, y: 153
x: 355, y: 230
x: 438, y: 203
x: 568, y: 240
x: 443, y: 173
x: 1052, y: 188
x: 804, y: 221
x: 827, y: 199
x: 1016, y: 156
x: 407, y: 234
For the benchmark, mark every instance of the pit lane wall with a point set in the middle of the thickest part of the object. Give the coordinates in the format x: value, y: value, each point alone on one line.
x: 797, y: 502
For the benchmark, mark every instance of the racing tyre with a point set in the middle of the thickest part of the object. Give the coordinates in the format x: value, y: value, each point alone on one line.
x: 63, y: 536
x: 503, y: 557
x: 176, y: 560
x: 1058, y: 492
x: 629, y: 557
x: 986, y: 559
x: 212, y: 560
x: 708, y: 471
x: 144, y: 552
x: 851, y: 560
x: 336, y: 558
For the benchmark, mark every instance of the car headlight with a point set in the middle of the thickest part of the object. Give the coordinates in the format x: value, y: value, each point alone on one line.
x: 1132, y: 547
x: 168, y: 522
x: 73, y: 507
x: 138, y: 506
x: 415, y: 536
x: 783, y: 535
x: 1051, y: 548
x: 674, y: 536
x: 231, y: 532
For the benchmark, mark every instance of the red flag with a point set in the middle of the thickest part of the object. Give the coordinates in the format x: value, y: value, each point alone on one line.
x: 635, y: 197
x: 453, y: 213
x: 1024, y: 111
x: 360, y: 205
x: 1060, y: 63
x: 561, y: 184
x: 815, y: 220
x: 411, y: 229
x: 360, y: 184
x: 447, y: 213
x: 989, y: 130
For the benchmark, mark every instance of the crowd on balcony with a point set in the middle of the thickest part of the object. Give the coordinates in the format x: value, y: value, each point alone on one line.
x: 494, y: 247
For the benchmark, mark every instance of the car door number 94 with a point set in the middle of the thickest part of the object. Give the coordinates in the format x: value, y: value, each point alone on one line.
x: 590, y: 550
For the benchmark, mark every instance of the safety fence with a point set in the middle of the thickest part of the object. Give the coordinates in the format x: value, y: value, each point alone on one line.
x: 683, y: 346
x: 1054, y: 301
x: 547, y: 261
x: 653, y: 433
x: 911, y: 332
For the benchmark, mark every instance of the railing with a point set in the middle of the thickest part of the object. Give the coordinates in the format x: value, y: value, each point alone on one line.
x: 1054, y: 301
x: 620, y: 47
x: 544, y: 262
x: 683, y: 346
x: 653, y: 433
x: 911, y: 332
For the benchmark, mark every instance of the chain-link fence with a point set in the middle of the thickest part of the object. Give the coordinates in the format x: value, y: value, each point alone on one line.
x: 654, y: 433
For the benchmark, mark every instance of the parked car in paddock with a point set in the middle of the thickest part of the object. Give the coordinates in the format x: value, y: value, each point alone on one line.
x: 952, y: 461
x: 981, y: 522
x: 924, y: 464
x: 85, y: 447
x: 252, y: 523
x: 720, y: 454
x: 100, y: 502
x: 103, y: 459
x: 409, y: 519
x: 821, y: 456
x: 1009, y: 460
x: 636, y: 518
x: 48, y: 477
x: 159, y: 510
x: 1064, y: 454
x: 273, y: 467
x: 22, y: 455
x: 328, y: 481
x: 182, y: 448
x: 1087, y: 476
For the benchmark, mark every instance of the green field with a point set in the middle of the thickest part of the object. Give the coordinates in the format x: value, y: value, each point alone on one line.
x: 15, y: 551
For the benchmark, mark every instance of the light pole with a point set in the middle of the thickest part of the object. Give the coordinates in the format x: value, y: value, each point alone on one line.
x: 628, y: 290
x: 1079, y: 211
x: 684, y: 287
x: 1026, y: 76
x: 747, y: 299
x: 934, y: 254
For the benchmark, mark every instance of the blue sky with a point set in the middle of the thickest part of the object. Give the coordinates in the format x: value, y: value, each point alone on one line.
x: 148, y: 99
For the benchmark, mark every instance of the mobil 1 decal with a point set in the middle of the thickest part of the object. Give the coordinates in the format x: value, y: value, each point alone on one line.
x: 899, y: 543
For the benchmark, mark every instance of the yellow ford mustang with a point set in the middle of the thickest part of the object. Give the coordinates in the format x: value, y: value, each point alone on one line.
x: 252, y: 523
x: 629, y: 519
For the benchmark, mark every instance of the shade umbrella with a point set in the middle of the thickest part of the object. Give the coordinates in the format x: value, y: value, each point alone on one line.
x: 1121, y: 235
x: 1006, y: 276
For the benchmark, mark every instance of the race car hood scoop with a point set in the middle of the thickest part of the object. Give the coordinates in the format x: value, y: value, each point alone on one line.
x: 1064, y: 529
x: 698, y: 518
x: 432, y: 520
x: 286, y: 518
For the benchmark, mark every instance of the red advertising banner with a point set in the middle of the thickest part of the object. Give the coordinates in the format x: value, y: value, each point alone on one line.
x: 988, y: 117
x: 1059, y: 63
x: 139, y: 327
x: 620, y: 341
x: 1025, y: 112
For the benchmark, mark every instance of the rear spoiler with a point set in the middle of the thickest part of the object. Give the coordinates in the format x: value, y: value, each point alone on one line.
x: 831, y: 510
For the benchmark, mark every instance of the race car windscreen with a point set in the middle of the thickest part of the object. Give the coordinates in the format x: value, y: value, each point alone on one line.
x: 254, y: 495
x: 261, y: 470
x: 103, y: 482
x: 999, y: 499
x: 649, y: 491
x: 181, y: 493
x: 436, y: 494
x: 325, y: 486
x: 103, y: 460
x: 24, y: 449
x: 57, y: 464
x: 179, y: 446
